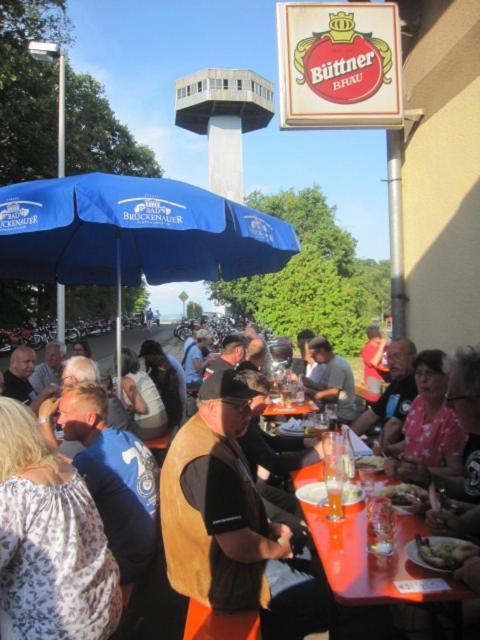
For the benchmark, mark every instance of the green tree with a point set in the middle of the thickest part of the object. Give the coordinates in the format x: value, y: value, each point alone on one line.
x: 372, y: 280
x: 315, y: 290
x: 309, y: 293
x: 28, y: 90
x: 95, y: 139
x: 314, y: 222
x: 101, y: 302
x: 194, y: 310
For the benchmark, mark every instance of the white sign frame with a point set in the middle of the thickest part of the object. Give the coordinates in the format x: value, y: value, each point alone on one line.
x: 300, y: 106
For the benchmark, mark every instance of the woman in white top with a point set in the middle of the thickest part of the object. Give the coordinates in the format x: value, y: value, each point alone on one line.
x: 58, y: 578
x: 141, y: 396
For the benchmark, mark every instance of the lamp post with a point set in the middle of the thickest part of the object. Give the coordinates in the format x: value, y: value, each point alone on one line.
x: 48, y: 52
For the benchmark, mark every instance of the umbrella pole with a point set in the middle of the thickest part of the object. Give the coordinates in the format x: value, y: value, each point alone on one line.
x: 119, y: 316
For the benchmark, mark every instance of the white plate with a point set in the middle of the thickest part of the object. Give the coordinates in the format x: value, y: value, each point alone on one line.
x: 362, y: 462
x: 288, y: 432
x: 413, y: 554
x: 316, y: 493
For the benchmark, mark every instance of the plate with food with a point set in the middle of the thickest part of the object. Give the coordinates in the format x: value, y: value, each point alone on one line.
x: 316, y: 493
x: 407, y: 497
x: 292, y: 427
x: 370, y: 462
x: 440, y: 553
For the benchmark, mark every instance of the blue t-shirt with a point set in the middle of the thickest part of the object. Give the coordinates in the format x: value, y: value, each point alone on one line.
x: 122, y: 477
x: 191, y: 374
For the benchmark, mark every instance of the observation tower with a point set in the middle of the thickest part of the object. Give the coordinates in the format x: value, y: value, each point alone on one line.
x: 224, y: 103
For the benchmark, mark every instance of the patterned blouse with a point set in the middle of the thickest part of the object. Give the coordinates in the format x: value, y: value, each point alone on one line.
x: 431, y: 442
x: 58, y: 579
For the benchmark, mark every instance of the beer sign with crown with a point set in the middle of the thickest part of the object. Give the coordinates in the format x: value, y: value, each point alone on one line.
x: 340, y: 65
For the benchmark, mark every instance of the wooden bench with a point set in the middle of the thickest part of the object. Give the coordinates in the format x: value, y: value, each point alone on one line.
x: 203, y: 623
x: 158, y: 444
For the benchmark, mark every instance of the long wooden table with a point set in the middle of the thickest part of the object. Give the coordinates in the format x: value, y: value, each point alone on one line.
x: 294, y: 409
x: 357, y: 577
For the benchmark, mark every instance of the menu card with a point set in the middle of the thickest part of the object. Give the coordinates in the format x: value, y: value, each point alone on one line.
x: 428, y: 585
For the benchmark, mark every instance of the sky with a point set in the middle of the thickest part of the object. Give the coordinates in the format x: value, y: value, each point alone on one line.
x: 138, y: 48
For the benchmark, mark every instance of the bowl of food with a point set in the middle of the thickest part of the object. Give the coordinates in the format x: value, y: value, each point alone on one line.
x: 440, y: 553
x: 408, y: 497
x: 370, y: 462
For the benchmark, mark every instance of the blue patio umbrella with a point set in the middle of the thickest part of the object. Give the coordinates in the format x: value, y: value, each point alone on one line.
x: 107, y: 229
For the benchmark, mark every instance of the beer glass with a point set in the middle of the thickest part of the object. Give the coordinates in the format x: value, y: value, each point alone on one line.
x: 382, y: 524
x: 334, y: 476
x: 287, y: 394
x: 332, y: 442
x: 367, y: 478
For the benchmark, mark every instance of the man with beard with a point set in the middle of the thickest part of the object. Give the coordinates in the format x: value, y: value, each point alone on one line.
x: 394, y: 405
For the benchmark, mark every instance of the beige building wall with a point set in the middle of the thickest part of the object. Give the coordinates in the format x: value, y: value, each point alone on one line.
x: 441, y: 188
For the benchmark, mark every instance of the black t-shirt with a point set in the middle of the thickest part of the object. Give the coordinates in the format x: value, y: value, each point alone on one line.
x: 471, y: 466
x: 212, y: 487
x: 299, y: 366
x: 278, y: 455
x: 397, y: 399
x: 18, y: 389
x: 216, y: 365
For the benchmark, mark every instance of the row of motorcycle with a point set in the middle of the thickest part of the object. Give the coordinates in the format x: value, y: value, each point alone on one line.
x: 39, y: 334
x: 217, y: 327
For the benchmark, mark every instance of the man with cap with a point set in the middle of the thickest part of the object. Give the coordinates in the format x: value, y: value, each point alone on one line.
x: 219, y: 546
x: 233, y: 352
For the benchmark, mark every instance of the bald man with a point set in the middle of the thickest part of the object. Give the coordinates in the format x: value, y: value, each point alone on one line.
x: 392, y: 408
x: 17, y: 386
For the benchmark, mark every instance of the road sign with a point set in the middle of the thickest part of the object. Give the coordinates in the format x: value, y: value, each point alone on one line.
x: 183, y: 296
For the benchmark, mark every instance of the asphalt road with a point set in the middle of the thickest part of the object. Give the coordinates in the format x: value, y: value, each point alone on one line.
x: 103, y: 347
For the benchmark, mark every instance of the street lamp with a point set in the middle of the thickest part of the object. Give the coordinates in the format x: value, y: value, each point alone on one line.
x: 48, y: 52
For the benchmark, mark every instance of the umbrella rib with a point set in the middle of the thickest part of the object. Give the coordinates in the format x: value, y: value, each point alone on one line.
x: 76, y: 225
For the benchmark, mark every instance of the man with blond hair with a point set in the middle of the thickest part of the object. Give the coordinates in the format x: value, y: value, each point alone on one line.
x: 82, y: 369
x: 121, y: 475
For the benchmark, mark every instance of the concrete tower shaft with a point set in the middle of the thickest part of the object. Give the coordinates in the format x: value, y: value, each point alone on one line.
x: 224, y: 103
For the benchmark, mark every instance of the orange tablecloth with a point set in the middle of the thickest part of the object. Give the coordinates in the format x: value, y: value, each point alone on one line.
x: 295, y: 410
x: 357, y: 577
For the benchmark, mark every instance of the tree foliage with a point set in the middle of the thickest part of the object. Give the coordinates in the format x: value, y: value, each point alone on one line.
x: 324, y: 288
x: 314, y: 222
x: 309, y: 293
x: 194, y: 310
x: 95, y: 139
x: 372, y: 280
x: 101, y: 302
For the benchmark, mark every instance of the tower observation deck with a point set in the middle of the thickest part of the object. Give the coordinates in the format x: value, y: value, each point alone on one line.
x: 224, y: 103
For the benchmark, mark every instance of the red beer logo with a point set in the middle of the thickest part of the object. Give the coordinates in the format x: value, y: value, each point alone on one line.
x: 342, y: 65
x: 344, y: 73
